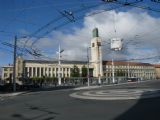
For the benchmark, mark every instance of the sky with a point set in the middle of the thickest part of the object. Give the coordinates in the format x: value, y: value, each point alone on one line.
x: 43, y: 25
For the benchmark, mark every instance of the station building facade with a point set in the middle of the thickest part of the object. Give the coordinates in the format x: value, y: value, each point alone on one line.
x: 41, y: 68
x: 99, y: 67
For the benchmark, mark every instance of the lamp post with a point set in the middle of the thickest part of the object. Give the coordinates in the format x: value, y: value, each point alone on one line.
x: 128, y: 70
x: 59, y: 65
x: 99, y: 62
x: 88, y: 76
x: 113, y: 79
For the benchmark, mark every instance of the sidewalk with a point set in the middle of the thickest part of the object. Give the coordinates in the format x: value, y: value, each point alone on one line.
x: 11, y: 94
x: 87, y: 87
x: 108, y: 85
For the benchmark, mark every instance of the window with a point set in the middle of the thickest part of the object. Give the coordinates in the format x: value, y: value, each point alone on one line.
x: 53, y: 75
x: 30, y: 71
x: 41, y: 71
x: 92, y: 44
x: 38, y: 71
x: 34, y: 71
x: 5, y: 69
x: 98, y: 43
x: 19, y: 74
x: 5, y: 74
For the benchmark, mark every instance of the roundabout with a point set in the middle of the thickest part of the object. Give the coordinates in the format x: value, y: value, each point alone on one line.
x: 117, y: 94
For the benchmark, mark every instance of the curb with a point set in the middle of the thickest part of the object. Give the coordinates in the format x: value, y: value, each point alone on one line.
x: 86, y: 87
x: 12, y: 94
x: 93, y: 87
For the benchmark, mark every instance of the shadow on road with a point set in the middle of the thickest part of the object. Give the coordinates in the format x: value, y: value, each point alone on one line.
x: 39, y: 89
x: 144, y: 109
x: 40, y: 113
x: 51, y: 88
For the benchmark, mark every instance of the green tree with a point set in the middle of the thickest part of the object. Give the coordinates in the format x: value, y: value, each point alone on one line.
x: 84, y: 71
x: 75, y: 71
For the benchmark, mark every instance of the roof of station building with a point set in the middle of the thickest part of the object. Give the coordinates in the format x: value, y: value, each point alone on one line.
x: 126, y: 63
x: 156, y: 65
x: 55, y: 62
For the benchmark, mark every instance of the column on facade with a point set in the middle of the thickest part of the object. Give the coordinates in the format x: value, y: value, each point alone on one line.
x: 62, y: 72
x: 51, y: 72
x: 69, y: 72
x: 36, y: 72
x: 27, y: 72
x: 44, y: 72
x: 31, y: 71
x: 47, y: 71
x: 40, y: 72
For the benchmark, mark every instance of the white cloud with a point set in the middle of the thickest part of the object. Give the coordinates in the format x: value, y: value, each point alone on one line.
x: 142, y: 28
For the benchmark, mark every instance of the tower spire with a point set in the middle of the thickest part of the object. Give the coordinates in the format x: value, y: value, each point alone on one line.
x: 95, y: 32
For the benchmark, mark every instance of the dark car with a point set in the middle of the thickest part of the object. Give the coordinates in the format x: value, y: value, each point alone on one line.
x: 132, y: 79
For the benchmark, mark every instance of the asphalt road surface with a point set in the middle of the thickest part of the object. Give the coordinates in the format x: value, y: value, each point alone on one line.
x: 59, y: 105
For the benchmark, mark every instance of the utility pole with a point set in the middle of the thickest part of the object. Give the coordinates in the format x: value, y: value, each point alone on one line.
x: 113, y: 71
x: 88, y: 67
x: 14, y: 64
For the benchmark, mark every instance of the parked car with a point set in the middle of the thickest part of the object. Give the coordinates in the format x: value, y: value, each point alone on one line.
x: 132, y: 79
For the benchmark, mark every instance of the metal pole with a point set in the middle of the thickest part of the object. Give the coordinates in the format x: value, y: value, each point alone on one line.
x: 59, y: 66
x: 88, y: 67
x: 128, y: 70
x: 99, y: 62
x: 113, y: 71
x: 14, y: 64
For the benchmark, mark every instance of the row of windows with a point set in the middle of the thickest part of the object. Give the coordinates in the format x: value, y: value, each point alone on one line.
x: 126, y: 66
x: 129, y: 69
x: 132, y: 70
x: 130, y: 74
x: 8, y: 69
x: 47, y: 69
x: 29, y: 71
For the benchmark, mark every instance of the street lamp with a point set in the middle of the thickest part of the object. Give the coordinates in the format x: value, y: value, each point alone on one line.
x: 88, y: 75
x: 59, y: 65
x: 113, y: 78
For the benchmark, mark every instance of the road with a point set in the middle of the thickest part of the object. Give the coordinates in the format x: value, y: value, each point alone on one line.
x: 58, y: 105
